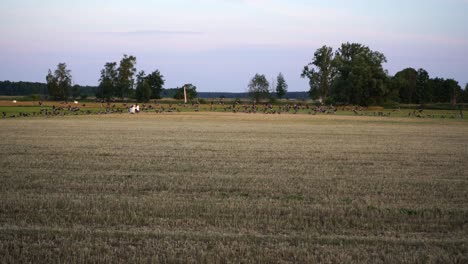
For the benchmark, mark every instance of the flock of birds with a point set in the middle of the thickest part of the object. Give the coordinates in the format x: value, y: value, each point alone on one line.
x: 236, y: 107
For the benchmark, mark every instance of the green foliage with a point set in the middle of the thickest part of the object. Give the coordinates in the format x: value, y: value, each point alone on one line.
x: 156, y: 82
x: 423, y: 93
x: 281, y: 86
x: 329, y: 101
x: 320, y: 72
x: 35, y: 88
x: 125, y: 81
x: 354, y: 75
x: 444, y: 90
x: 23, y: 88
x: 452, y: 89
x: 119, y: 82
x: 59, y: 83
x: 360, y: 77
x: 52, y: 86
x: 143, y: 88
x: 190, y: 89
x: 406, y: 81
x: 75, y: 91
x: 35, y: 97
x: 108, y: 81
x: 64, y: 80
x: 258, y: 87
x: 464, y: 95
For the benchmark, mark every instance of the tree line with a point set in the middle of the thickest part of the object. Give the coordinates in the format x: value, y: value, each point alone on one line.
x: 38, y: 89
x: 117, y: 81
x: 354, y: 75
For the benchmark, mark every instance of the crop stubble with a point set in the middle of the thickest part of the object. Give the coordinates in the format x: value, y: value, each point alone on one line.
x: 233, y: 188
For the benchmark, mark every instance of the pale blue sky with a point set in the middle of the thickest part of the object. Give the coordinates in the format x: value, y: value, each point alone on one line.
x: 219, y: 45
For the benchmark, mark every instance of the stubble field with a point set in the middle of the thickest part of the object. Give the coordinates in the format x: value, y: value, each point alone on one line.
x: 226, y: 188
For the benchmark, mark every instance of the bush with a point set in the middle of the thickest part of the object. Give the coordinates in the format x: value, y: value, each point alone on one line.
x: 329, y: 101
x: 391, y: 105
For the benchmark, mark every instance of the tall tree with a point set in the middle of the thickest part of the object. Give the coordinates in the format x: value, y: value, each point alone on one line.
x: 64, y: 80
x: 108, y: 81
x: 320, y: 73
x: 59, y: 83
x: 258, y: 87
x: 281, y: 86
x: 125, y: 81
x: 52, y: 86
x: 445, y: 90
x: 436, y: 85
x: 156, y: 81
x: 360, y: 77
x: 143, y: 89
x: 423, y: 93
x: 407, y: 83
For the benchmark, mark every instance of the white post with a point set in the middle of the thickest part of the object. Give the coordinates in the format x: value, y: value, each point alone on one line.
x: 185, y: 95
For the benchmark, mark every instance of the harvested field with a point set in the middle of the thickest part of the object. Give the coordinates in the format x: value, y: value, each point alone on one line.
x: 221, y: 187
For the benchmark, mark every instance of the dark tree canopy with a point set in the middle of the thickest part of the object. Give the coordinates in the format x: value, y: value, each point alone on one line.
x: 119, y: 82
x: 352, y: 75
x: 406, y: 80
x: 423, y: 93
x: 125, y: 81
x: 59, y: 84
x: 108, y: 81
x: 156, y: 82
x: 281, y: 86
x: 143, y: 89
x: 189, y: 88
x: 320, y: 72
x: 258, y: 87
x: 360, y: 77
x: 464, y: 95
x: 75, y: 91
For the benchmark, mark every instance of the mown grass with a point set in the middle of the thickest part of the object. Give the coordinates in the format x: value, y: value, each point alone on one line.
x: 212, y: 187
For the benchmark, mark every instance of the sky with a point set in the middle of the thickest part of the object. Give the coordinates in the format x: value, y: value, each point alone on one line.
x: 219, y: 45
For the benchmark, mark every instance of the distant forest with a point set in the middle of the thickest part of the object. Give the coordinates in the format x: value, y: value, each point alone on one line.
x: 353, y: 74
x: 8, y: 88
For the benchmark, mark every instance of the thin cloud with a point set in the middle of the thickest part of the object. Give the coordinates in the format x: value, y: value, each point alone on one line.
x: 149, y: 33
